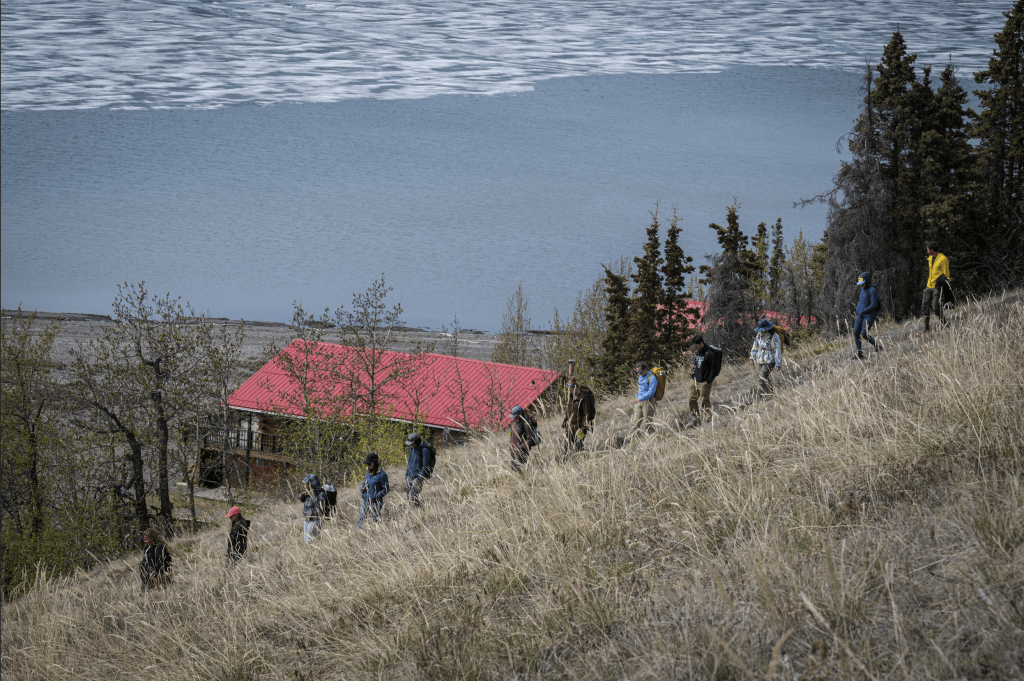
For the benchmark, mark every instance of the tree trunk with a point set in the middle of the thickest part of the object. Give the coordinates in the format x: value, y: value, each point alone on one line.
x: 138, y: 482
x: 163, y: 436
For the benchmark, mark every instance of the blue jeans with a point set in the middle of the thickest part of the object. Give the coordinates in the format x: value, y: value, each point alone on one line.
x: 311, y: 530
x: 371, y: 509
x: 861, y: 326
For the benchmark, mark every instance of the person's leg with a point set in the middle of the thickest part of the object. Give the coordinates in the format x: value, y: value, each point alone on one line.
x: 858, y: 327
x: 937, y: 304
x: 694, y: 397
x: 519, y: 457
x: 362, y: 514
x: 926, y: 307
x: 375, y: 507
x: 415, y: 486
x: 764, y: 380
x: 868, y: 323
x: 705, y: 400
x: 636, y: 421
x: 648, y: 415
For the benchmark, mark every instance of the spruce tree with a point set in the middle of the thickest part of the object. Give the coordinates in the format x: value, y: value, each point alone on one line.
x: 731, y: 312
x: 776, y: 269
x: 645, y: 317
x: 613, y: 363
x: 999, y: 129
x: 901, y: 104
x: 949, y: 179
x: 761, y: 262
x: 675, y: 322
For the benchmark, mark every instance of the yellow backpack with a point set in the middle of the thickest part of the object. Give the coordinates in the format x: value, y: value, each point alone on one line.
x: 659, y: 392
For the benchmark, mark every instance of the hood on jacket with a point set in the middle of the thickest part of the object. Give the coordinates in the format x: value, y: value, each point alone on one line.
x: 864, y: 278
x: 313, y: 480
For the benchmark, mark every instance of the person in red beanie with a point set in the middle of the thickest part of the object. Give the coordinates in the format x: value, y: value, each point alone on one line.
x: 238, y: 537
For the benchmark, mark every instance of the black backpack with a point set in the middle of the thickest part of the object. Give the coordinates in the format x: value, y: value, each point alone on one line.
x: 716, y: 360
x: 332, y: 499
x: 430, y: 459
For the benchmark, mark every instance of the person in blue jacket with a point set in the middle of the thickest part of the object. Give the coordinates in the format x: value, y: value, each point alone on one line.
x: 374, y: 488
x: 644, y: 406
x: 867, y: 309
x: 418, y: 467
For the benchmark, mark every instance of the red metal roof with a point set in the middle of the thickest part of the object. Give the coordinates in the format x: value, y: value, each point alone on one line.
x: 442, y: 391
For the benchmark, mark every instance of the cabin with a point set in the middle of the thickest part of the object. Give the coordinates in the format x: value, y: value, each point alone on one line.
x: 451, y: 396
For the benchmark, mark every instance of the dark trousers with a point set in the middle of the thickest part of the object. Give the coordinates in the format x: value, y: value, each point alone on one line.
x: 861, y: 326
x: 931, y: 302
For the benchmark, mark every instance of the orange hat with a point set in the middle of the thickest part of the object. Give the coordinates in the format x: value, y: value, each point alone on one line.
x: 233, y: 511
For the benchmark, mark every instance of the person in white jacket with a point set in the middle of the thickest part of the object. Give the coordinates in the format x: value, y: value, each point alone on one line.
x: 766, y: 354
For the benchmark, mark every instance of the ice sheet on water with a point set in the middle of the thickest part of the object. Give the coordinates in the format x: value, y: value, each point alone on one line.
x: 57, y: 54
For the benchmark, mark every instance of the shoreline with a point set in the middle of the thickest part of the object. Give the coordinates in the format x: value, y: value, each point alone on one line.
x: 79, y: 327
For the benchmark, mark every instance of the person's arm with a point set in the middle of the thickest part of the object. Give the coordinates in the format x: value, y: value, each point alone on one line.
x: 777, y: 350
x: 383, y: 487
x: 873, y: 300
x: 944, y: 266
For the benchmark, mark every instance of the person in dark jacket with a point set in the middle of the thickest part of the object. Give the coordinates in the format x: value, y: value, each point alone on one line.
x: 867, y: 309
x: 314, y: 501
x: 707, y: 362
x: 238, y: 536
x: 522, y: 437
x: 155, y: 569
x: 579, y: 417
x: 374, y: 488
x: 417, y: 467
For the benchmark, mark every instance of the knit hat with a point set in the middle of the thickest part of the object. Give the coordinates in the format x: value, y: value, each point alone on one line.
x: 234, y: 510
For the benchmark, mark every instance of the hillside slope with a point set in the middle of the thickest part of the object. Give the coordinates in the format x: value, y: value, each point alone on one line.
x: 866, y: 522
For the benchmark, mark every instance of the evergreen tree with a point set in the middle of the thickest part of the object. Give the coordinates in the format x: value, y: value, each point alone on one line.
x: 614, y: 359
x: 902, y: 104
x: 731, y: 311
x: 675, y: 324
x: 776, y: 269
x: 761, y: 262
x: 949, y: 178
x: 999, y: 129
x: 645, y: 317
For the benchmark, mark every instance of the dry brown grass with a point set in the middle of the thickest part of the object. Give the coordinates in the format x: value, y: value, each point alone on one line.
x: 868, y: 522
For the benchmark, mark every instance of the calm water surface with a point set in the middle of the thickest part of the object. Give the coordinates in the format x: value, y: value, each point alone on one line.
x: 247, y: 154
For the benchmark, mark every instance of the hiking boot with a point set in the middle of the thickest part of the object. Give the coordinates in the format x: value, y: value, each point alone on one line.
x: 927, y: 324
x: 878, y: 346
x: 858, y: 357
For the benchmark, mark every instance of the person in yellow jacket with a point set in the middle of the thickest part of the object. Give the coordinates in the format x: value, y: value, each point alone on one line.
x: 938, y: 278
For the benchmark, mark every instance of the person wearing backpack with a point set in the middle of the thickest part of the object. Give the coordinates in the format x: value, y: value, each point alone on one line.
x: 238, y: 536
x: 644, y: 406
x: 937, y: 289
x: 523, y: 437
x: 707, y: 364
x: 373, y: 490
x: 868, y: 306
x: 155, y: 569
x: 766, y: 354
x: 314, y: 501
x: 419, y: 466
x: 579, y: 417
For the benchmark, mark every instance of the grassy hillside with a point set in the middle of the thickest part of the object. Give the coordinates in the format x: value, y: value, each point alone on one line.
x: 867, y: 522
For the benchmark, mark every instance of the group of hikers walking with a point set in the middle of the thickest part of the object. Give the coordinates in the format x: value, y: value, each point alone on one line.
x: 319, y: 501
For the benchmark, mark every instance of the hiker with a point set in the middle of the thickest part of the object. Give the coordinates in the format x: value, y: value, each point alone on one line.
x: 314, y: 501
x: 644, y: 406
x: 419, y: 467
x: 766, y: 353
x: 937, y: 287
x: 867, y: 310
x: 155, y: 569
x: 238, y: 536
x: 523, y: 437
x: 579, y: 417
x: 374, y: 488
x: 707, y: 364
